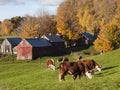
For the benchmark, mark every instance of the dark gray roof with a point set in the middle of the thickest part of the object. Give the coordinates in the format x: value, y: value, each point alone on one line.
x: 54, y: 38
x: 88, y: 35
x: 38, y: 42
x: 14, y: 41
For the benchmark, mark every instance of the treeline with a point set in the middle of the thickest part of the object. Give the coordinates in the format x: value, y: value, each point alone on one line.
x: 28, y: 26
x: 98, y: 17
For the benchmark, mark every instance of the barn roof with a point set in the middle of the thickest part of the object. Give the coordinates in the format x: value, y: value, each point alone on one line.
x: 38, y: 42
x: 88, y: 35
x: 14, y: 41
x: 53, y: 38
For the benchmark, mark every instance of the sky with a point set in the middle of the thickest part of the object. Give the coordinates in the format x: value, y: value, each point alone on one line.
x: 12, y: 8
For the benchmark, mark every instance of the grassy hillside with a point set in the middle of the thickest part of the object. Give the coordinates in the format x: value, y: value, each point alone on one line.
x: 33, y: 75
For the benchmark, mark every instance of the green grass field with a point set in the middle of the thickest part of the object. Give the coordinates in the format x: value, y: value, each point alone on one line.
x: 33, y: 75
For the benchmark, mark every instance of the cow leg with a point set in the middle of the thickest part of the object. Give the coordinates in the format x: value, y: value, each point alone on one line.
x: 74, y: 76
x: 89, y: 75
x: 61, y: 77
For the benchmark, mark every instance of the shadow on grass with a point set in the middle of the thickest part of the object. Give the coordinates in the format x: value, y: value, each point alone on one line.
x: 106, y: 72
x: 107, y: 68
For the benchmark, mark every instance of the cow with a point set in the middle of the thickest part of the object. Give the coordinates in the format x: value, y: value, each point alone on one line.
x: 84, y: 70
x: 88, y: 66
x: 63, y: 59
x: 92, y: 64
x: 73, y: 68
x: 50, y: 64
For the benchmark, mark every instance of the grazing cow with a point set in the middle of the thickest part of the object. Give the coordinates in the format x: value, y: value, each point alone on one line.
x: 84, y: 70
x: 73, y: 68
x: 91, y: 64
x: 67, y: 67
x: 87, y: 67
x: 50, y: 64
x: 63, y: 59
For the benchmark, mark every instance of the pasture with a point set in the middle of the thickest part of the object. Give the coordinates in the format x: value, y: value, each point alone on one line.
x: 33, y: 75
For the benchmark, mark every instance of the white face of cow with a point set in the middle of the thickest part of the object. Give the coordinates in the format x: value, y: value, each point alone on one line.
x: 98, y: 68
x: 52, y: 67
x: 89, y: 75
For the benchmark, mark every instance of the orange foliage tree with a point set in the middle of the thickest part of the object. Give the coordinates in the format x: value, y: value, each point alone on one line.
x: 109, y: 38
x: 102, y: 45
x: 7, y: 27
x: 29, y: 27
x: 67, y: 21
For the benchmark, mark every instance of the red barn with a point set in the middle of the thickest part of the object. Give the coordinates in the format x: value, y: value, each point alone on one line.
x: 33, y: 48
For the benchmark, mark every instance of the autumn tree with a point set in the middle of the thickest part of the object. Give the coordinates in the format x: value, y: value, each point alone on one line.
x: 86, y: 14
x: 67, y: 20
x: 37, y: 26
x: 29, y: 27
x: 101, y: 44
x: 7, y: 27
x: 47, y: 24
x: 109, y: 38
x: 16, y: 22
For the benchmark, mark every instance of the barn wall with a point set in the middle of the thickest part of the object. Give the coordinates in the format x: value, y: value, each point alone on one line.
x: 6, y: 47
x: 36, y: 52
x: 15, y: 50
x: 41, y: 51
x: 58, y: 45
x: 24, y: 50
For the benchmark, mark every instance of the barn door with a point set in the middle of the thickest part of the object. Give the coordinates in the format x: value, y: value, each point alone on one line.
x: 25, y: 52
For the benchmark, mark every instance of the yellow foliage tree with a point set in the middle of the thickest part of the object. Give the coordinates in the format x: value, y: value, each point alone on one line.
x: 109, y: 38
x: 7, y: 27
x: 102, y: 45
x: 29, y: 27
x: 68, y: 22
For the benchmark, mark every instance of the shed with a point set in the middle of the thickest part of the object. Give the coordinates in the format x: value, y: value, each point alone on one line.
x: 33, y: 48
x: 9, y: 45
x: 87, y: 38
x: 56, y: 41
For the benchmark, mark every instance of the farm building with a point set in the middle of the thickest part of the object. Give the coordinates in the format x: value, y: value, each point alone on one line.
x: 56, y: 41
x: 33, y: 48
x: 87, y: 38
x: 9, y: 45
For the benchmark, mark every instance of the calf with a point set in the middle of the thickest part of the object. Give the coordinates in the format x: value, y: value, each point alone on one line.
x: 50, y: 64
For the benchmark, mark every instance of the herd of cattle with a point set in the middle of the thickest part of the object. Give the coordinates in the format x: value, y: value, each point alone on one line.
x: 78, y: 68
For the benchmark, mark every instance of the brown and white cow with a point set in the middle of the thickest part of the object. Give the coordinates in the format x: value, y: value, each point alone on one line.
x: 85, y: 70
x: 73, y: 68
x: 50, y: 64
x: 88, y: 66
x: 92, y: 64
